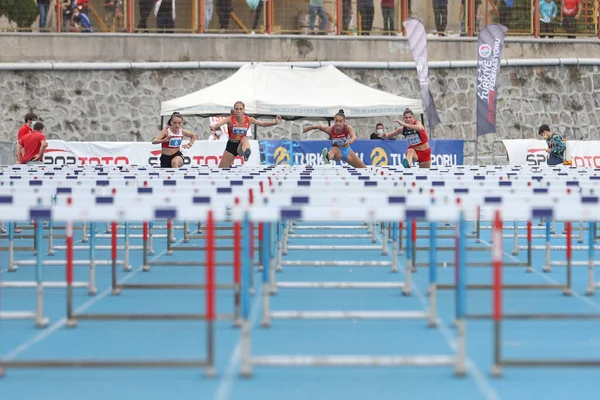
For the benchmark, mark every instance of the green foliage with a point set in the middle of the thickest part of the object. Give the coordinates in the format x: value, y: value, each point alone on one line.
x: 21, y: 12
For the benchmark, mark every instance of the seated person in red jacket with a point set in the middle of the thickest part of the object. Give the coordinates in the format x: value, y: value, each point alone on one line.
x: 34, y: 144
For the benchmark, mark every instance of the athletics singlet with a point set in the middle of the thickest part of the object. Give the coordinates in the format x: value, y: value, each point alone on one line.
x: 414, y: 138
x: 175, y: 139
x: 238, y: 132
x: 339, y: 139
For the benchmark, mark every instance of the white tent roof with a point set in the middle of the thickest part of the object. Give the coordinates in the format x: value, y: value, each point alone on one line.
x: 291, y: 92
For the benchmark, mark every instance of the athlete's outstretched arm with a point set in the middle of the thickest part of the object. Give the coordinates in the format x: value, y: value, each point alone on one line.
x: 393, y: 133
x: 323, y: 128
x: 220, y: 124
x: 264, y: 123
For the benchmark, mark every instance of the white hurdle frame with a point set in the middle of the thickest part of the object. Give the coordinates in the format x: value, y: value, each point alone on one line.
x: 458, y: 361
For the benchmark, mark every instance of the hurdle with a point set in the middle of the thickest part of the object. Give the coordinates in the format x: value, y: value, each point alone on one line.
x: 91, y: 262
x: 11, y: 248
x: 235, y: 286
x: 126, y: 247
x: 210, y: 316
x: 40, y: 320
x: 271, y: 286
x: 249, y: 362
x: 500, y: 362
x: 280, y: 263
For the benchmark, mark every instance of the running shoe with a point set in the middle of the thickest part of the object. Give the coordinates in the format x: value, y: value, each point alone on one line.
x: 247, y: 155
x: 325, y: 155
x: 405, y: 163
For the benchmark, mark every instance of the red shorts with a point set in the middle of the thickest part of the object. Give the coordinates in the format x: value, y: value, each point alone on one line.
x: 423, y: 155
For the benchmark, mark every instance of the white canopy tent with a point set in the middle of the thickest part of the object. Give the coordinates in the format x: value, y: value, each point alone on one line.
x: 291, y: 92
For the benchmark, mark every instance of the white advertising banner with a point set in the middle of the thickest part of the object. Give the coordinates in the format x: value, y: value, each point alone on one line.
x: 582, y: 153
x: 204, y: 152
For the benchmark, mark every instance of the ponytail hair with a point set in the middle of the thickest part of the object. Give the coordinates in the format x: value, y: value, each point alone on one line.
x: 175, y: 114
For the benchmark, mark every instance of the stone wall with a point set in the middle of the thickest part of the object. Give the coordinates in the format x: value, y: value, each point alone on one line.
x: 125, y: 105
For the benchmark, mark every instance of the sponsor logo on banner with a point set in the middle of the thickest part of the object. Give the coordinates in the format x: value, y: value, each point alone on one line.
x: 490, y: 44
x: 53, y: 156
x: 536, y: 157
x: 203, y: 152
x: 281, y: 156
x: 533, y: 152
x: 371, y: 152
x: 379, y: 157
x: 154, y: 159
x: 586, y: 161
x: 485, y: 51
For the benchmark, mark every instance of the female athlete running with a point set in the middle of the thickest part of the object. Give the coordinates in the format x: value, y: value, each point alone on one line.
x: 342, y: 136
x: 416, y: 136
x: 170, y: 140
x: 238, y: 125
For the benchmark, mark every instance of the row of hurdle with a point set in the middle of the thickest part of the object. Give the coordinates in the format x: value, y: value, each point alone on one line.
x: 279, y: 217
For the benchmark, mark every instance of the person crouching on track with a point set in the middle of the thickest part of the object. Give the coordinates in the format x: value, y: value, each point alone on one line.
x: 170, y: 140
x: 416, y: 137
x: 341, y: 136
x: 556, y: 146
x: 238, y: 125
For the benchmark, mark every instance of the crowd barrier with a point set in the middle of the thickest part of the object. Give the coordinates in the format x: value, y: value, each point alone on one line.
x: 279, y: 201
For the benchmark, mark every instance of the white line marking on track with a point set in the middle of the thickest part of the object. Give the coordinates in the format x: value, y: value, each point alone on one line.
x: 483, y: 384
x: 226, y: 384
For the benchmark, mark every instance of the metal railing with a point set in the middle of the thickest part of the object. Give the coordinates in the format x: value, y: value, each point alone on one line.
x: 342, y: 17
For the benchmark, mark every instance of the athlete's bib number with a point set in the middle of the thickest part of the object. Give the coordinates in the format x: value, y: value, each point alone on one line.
x: 413, y: 140
x: 239, y: 131
x: 339, y: 142
x: 175, y: 142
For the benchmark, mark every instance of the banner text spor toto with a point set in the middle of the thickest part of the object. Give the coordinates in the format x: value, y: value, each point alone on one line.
x: 533, y: 152
x: 371, y: 152
x: 203, y: 152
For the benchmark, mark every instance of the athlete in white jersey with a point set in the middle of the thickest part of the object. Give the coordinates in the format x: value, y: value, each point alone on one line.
x: 171, y: 139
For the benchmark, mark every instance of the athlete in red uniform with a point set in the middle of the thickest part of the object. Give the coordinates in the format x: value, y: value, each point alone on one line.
x: 342, y: 136
x: 418, y: 143
x: 238, y: 125
x: 171, y: 139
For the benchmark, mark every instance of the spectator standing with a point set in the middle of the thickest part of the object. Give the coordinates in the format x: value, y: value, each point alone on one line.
x: 43, y: 6
x: 505, y: 8
x: 548, y: 12
x: 164, y: 10
x: 570, y: 13
x: 387, y: 10
x: 366, y: 8
x: 315, y: 7
x: 145, y: 8
x: 440, y: 15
